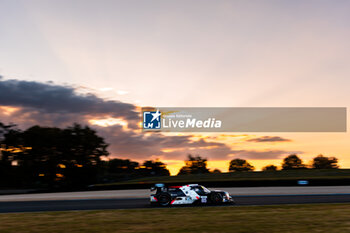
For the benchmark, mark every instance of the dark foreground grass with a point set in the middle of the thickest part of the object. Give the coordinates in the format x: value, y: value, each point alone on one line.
x: 283, y: 218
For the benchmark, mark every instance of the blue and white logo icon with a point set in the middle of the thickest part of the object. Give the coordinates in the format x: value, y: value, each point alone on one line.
x: 151, y: 120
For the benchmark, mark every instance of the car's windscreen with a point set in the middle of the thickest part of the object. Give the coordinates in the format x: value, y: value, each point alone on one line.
x: 201, y: 190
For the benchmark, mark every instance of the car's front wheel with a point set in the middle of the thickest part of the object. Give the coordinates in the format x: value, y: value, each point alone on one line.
x: 216, y: 198
x: 164, y: 199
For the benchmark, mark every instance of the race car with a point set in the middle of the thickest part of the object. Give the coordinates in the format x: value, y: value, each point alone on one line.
x: 187, y: 194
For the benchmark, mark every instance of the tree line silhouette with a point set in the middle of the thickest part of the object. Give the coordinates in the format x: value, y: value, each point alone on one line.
x: 197, y: 164
x: 51, y: 157
x: 76, y: 156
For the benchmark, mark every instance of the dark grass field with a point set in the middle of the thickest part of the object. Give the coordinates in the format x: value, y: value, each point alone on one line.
x: 282, y: 218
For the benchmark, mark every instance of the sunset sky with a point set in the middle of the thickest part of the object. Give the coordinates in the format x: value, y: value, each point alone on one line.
x: 98, y: 62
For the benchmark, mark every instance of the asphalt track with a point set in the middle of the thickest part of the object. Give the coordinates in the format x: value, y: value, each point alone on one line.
x: 134, y: 203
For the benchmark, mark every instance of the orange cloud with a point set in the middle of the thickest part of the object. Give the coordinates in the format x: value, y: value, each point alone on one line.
x: 8, y: 110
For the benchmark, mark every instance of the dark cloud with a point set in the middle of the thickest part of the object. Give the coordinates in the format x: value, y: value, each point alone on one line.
x: 269, y: 139
x: 48, y: 104
x: 55, y: 99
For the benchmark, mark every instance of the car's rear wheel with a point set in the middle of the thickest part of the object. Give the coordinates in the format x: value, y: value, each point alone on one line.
x: 164, y: 199
x: 216, y: 198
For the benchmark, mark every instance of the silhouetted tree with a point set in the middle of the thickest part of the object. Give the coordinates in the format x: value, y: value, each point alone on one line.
x: 323, y: 162
x: 11, y: 146
x: 154, y: 168
x: 115, y: 170
x: 68, y: 157
x: 292, y: 162
x: 5, y: 129
x: 194, y: 165
x: 10, y: 137
x: 216, y: 171
x: 240, y: 165
x: 121, y: 166
x: 270, y: 168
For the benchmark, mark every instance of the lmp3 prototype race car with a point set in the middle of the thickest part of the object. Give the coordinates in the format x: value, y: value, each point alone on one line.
x: 188, y: 194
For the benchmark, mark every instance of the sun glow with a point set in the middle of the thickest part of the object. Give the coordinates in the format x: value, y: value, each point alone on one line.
x: 169, y: 150
x: 6, y: 110
x: 108, y: 122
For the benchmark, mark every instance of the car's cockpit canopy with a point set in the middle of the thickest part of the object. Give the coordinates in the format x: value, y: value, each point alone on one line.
x: 201, y: 190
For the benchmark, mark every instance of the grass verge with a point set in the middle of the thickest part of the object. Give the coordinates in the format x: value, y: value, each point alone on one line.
x: 282, y: 218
